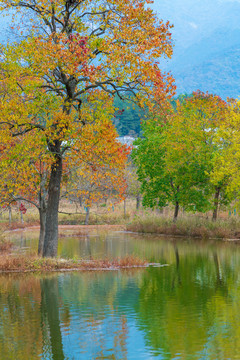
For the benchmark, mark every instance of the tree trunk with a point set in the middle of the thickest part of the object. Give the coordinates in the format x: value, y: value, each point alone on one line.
x: 51, y: 233
x: 176, y: 211
x: 21, y: 217
x: 87, y: 216
x: 216, y: 203
x: 124, y: 208
x: 80, y: 201
x: 42, y: 215
x: 42, y: 208
x: 138, y: 198
x: 10, y: 215
x: 50, y: 315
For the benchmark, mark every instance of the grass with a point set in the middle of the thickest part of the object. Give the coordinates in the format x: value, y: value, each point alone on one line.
x: 5, y: 245
x: 98, y: 215
x: 142, y: 221
x: 186, y: 226
x: 32, y: 263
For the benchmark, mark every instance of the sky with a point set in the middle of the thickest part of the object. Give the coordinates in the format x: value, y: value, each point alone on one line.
x: 194, y: 19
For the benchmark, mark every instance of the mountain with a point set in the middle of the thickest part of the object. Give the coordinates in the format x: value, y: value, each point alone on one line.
x: 206, y: 39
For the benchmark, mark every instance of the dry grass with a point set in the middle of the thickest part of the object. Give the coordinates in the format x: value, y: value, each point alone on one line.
x: 24, y: 263
x: 143, y: 221
x: 188, y: 226
x: 99, y: 215
x: 5, y: 245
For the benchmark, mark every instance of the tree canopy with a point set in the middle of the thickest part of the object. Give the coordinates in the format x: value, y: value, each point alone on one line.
x: 177, y: 155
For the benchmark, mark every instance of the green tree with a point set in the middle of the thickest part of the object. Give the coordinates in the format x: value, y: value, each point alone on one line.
x: 176, y: 156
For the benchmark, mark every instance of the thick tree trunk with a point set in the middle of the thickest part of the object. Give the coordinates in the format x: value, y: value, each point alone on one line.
x: 216, y: 203
x: 42, y: 208
x: 87, y: 216
x: 51, y: 232
x: 176, y: 211
x: 42, y: 215
x: 51, y: 318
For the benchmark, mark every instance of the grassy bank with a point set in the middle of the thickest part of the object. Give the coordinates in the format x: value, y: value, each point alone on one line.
x: 188, y: 226
x: 142, y: 221
x: 32, y: 263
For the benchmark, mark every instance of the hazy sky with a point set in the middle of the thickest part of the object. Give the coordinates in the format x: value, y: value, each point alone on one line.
x: 193, y: 19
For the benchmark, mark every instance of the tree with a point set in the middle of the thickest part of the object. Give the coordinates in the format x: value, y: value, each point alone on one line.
x: 226, y: 164
x: 176, y: 155
x: 73, y: 48
x: 133, y: 184
x: 103, y: 176
x: 25, y: 169
x: 207, y: 114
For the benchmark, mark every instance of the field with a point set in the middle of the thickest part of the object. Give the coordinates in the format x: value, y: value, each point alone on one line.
x: 131, y: 219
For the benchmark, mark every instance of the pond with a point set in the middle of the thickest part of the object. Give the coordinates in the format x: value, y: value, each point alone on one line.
x: 187, y: 310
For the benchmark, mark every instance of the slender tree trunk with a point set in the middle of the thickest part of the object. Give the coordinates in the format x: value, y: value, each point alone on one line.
x: 42, y: 215
x: 175, y: 192
x: 124, y: 207
x: 176, y: 211
x: 51, y: 233
x: 80, y: 201
x: 138, y: 198
x: 216, y: 203
x: 21, y: 217
x: 87, y: 216
x: 10, y: 215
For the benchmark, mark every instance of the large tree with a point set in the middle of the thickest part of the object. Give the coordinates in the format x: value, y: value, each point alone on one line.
x: 74, y: 54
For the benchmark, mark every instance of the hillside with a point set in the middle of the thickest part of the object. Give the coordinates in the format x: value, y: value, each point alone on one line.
x: 206, y: 38
x: 219, y: 75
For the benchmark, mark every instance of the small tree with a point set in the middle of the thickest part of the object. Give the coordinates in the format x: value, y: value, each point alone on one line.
x: 103, y: 176
x: 133, y: 184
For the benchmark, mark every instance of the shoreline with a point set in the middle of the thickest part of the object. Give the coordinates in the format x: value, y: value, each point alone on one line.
x: 84, y: 229
x: 130, y: 267
x: 71, y: 227
x: 22, y: 263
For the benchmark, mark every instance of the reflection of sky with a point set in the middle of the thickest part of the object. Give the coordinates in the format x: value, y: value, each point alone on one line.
x: 102, y: 330
x: 81, y: 343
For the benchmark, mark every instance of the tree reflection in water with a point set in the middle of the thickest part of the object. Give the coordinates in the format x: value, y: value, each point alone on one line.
x: 188, y: 310
x: 50, y: 322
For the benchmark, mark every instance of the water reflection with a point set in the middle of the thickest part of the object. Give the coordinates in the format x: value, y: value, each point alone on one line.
x: 188, y: 310
x: 50, y: 321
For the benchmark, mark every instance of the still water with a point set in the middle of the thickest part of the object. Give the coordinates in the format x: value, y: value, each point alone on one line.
x: 187, y: 310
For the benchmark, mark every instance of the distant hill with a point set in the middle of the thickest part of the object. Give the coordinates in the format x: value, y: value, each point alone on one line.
x: 219, y: 75
x: 206, y: 39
